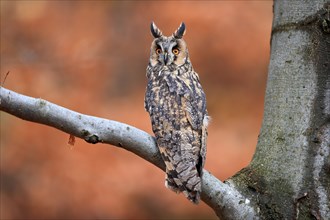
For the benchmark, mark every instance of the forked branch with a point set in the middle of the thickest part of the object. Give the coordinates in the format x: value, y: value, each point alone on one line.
x: 223, y: 198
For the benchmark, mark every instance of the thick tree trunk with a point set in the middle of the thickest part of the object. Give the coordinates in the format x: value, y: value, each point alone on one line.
x: 289, y: 177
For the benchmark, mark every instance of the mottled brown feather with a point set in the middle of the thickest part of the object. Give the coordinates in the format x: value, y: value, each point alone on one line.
x: 176, y: 103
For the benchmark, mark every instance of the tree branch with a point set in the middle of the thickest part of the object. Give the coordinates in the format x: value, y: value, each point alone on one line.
x: 224, y: 198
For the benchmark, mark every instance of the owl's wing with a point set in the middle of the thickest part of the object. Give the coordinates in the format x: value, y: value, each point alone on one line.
x: 199, y: 121
x: 194, y: 102
x: 193, y: 113
x: 148, y: 97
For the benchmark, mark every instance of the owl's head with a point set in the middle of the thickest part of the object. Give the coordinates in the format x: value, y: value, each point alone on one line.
x: 168, y: 51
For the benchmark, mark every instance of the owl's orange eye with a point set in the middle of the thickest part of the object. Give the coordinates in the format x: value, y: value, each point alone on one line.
x: 175, y: 51
x: 158, y: 51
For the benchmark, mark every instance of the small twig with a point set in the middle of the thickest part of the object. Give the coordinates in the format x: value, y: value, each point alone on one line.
x: 72, y: 140
x: 3, y: 82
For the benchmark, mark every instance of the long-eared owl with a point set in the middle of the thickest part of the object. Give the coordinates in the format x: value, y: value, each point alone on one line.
x: 176, y: 103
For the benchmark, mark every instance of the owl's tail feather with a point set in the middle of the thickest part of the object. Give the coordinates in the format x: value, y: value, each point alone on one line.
x: 177, y: 186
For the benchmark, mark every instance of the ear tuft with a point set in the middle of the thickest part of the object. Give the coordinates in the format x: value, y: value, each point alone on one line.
x: 180, y: 31
x: 155, y: 30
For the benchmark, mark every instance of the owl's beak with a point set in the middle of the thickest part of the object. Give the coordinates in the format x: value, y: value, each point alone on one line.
x: 165, y: 58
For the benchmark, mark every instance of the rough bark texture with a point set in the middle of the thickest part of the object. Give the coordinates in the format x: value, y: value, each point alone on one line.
x: 289, y: 177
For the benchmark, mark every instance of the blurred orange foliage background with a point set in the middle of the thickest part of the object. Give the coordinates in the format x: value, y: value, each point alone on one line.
x: 91, y: 57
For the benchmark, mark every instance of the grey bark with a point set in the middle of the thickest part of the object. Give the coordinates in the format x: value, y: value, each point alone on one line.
x: 289, y: 176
